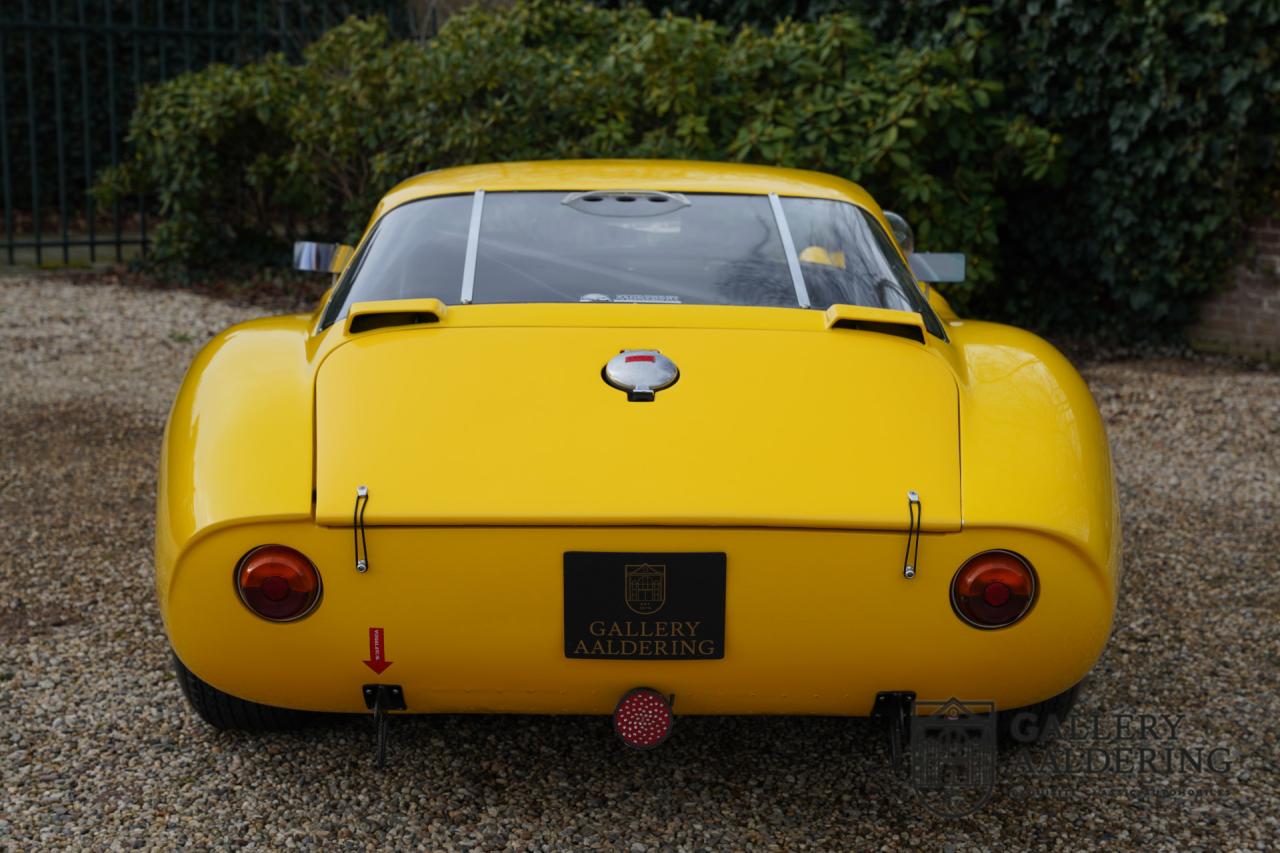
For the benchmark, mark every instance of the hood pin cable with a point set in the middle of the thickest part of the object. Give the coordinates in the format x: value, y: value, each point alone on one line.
x: 357, y: 529
x: 911, y: 560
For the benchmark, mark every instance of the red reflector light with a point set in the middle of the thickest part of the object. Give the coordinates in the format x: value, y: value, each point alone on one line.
x: 993, y: 589
x: 643, y: 718
x: 278, y: 583
x: 996, y: 594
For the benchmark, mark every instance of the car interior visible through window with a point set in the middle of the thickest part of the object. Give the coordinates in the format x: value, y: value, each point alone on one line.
x: 631, y: 246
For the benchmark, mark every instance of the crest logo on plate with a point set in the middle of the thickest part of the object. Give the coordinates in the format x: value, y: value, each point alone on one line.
x: 646, y: 588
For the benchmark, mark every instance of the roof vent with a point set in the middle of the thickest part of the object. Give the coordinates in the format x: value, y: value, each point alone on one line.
x: 625, y: 202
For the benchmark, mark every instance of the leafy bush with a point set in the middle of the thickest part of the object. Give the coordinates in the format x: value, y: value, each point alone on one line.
x: 734, y: 13
x: 1169, y: 111
x: 213, y: 137
x: 277, y: 151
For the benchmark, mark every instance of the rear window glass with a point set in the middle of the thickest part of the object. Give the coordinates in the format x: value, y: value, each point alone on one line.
x: 701, y: 249
x: 631, y: 247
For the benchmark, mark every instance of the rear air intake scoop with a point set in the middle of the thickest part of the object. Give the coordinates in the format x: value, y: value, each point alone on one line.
x: 367, y: 316
x: 904, y: 324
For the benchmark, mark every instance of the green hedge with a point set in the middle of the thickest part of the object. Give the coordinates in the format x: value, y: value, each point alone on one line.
x: 1169, y: 111
x: 243, y: 160
x: 1098, y: 162
x: 1170, y: 115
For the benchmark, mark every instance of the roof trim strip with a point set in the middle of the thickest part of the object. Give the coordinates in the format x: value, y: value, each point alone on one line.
x: 789, y: 247
x: 473, y: 244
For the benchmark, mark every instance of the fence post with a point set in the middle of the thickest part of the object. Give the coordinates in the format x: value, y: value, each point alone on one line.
x: 4, y: 154
x: 116, y: 226
x: 86, y: 135
x: 32, y: 136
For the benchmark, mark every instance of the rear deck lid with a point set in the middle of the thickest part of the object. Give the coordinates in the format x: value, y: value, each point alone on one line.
x: 451, y: 425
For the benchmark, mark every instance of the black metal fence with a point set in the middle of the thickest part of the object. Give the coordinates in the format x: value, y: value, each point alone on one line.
x: 70, y: 73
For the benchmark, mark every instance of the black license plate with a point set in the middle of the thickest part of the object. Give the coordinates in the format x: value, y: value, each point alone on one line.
x: 644, y: 606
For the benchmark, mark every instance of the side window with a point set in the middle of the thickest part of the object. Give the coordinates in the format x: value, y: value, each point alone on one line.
x: 846, y: 257
x: 906, y: 280
x: 417, y: 251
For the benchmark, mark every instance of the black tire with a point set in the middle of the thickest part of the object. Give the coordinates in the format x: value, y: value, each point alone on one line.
x: 1038, y: 723
x: 224, y: 711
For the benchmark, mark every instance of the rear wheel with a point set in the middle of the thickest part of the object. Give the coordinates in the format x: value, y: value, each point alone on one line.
x: 1038, y: 723
x: 224, y: 711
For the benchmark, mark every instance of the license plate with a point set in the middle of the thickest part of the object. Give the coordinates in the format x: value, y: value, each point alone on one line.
x: 651, y: 606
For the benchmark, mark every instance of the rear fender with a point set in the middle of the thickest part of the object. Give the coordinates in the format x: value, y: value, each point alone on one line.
x: 238, y: 442
x: 1033, y: 446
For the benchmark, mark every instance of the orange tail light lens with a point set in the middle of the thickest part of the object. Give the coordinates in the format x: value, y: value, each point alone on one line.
x: 993, y: 589
x: 278, y: 583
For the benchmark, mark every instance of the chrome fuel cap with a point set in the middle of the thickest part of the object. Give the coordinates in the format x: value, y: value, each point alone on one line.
x: 641, y: 373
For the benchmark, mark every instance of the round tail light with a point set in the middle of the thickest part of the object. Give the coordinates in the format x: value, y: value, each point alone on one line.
x: 993, y: 589
x: 278, y: 583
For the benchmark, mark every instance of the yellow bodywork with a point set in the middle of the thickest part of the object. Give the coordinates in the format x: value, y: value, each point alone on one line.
x: 797, y: 470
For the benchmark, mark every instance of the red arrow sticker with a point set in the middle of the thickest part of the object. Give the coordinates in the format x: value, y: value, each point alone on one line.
x: 377, y: 652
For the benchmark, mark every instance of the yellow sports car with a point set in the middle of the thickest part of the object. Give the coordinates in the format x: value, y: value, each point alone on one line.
x: 581, y: 437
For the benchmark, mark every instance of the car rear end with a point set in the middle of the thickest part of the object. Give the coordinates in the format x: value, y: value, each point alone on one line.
x: 473, y: 619
x: 762, y: 508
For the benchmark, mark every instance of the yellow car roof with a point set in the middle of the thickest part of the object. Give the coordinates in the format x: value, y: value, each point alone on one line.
x: 669, y: 175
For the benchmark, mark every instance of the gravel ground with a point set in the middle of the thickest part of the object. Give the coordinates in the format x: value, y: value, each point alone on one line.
x: 97, y: 747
